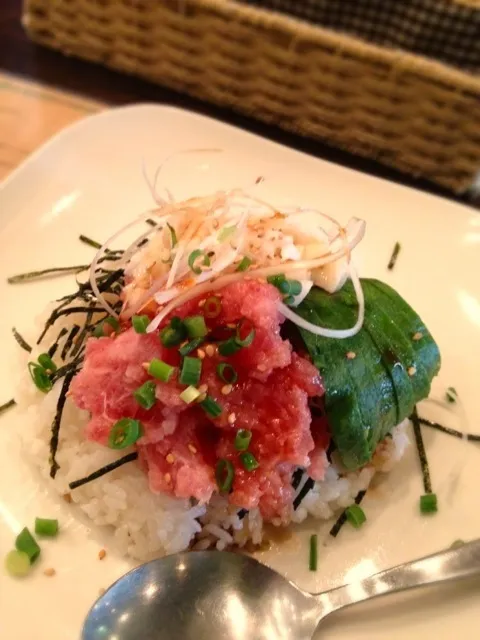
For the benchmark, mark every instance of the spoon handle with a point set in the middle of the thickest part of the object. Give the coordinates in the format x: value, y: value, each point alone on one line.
x: 460, y: 562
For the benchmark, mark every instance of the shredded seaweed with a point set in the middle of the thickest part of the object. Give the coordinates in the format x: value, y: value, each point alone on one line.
x: 69, y: 341
x: 151, y: 222
x: 54, y: 271
x: 427, y: 483
x: 21, y: 341
x: 393, y: 258
x: 55, y: 431
x: 53, y: 349
x: 7, y: 405
x: 297, y: 478
x: 472, y: 437
x: 91, y: 243
x: 335, y: 530
x: 308, y: 486
x: 104, y: 470
x: 241, y: 513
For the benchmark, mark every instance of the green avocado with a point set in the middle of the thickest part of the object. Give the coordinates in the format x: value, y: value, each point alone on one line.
x: 374, y: 379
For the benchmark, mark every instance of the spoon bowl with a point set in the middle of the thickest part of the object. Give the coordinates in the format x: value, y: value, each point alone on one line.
x: 207, y: 595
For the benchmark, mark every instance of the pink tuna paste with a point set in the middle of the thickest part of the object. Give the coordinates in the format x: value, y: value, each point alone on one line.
x: 181, y: 444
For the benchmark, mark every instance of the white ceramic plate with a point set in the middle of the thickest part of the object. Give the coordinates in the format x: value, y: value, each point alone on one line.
x: 88, y: 179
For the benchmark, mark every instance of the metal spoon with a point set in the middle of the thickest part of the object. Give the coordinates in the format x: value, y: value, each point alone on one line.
x: 213, y: 595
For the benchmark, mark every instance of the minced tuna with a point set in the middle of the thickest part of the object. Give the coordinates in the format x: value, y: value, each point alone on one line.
x: 181, y: 444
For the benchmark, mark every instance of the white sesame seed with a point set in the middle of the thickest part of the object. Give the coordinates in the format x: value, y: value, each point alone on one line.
x: 168, y: 478
x: 210, y: 350
x: 351, y: 355
x: 261, y: 367
x: 231, y: 418
x: 201, y: 354
x: 192, y: 448
x: 170, y: 458
x: 201, y: 303
x: 101, y: 554
x: 49, y: 572
x: 411, y: 371
x: 203, y: 388
x: 417, y: 336
x: 226, y: 389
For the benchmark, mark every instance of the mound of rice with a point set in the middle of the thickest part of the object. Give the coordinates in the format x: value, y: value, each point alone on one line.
x: 147, y: 524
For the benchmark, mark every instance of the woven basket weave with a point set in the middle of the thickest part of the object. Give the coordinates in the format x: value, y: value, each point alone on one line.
x: 405, y: 111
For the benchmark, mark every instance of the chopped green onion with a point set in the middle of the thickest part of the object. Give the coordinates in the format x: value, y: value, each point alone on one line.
x: 355, y: 515
x: 212, y: 307
x: 229, y: 347
x: 276, y: 280
x: 250, y: 330
x: 312, y: 564
x: 145, y: 395
x: 46, y: 527
x: 124, y: 433
x: 173, y: 235
x: 17, y: 563
x: 226, y: 232
x: 47, y: 363
x: 26, y: 542
x: 428, y: 503
x: 227, y: 373
x: 451, y: 395
x: 290, y: 287
x: 160, y: 370
x: 249, y: 461
x: 174, y: 333
x: 211, y: 407
x: 224, y: 474
x: 195, y: 326
x: 289, y: 300
x: 190, y: 346
x: 242, y: 439
x: 193, y: 258
x: 191, y: 371
x: 99, y: 331
x: 140, y: 323
x: 244, y: 263
x: 40, y: 377
x: 190, y: 394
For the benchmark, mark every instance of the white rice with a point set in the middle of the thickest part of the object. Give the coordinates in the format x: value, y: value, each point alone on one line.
x: 146, y: 524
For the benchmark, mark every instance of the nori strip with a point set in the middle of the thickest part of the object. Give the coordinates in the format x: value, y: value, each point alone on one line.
x: 427, y: 483
x: 7, y: 405
x: 394, y: 256
x: 54, y: 467
x: 104, y: 470
x: 89, y: 241
x: 335, y: 530
x: 472, y: 437
x: 151, y: 222
x: 69, y: 341
x: 242, y: 513
x: 21, y: 341
x: 297, y: 477
x: 53, y: 349
x: 308, y: 486
x: 54, y: 271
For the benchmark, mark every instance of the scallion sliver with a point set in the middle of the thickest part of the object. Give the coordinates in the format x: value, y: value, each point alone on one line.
x: 17, y: 563
x: 26, y: 542
x: 46, y: 527
x: 160, y: 370
x: 191, y: 371
x: 355, y: 515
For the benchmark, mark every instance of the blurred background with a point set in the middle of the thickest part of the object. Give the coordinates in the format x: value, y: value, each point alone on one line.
x: 388, y: 87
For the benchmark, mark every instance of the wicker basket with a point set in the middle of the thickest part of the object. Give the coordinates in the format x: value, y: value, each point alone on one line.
x: 406, y: 111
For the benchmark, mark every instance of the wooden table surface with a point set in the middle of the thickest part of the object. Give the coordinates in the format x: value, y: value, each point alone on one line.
x: 42, y: 91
